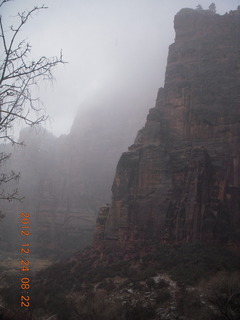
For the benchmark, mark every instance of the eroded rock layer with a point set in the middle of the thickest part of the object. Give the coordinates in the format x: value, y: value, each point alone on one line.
x: 180, y: 180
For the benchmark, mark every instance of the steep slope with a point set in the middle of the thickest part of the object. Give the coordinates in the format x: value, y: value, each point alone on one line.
x: 180, y: 180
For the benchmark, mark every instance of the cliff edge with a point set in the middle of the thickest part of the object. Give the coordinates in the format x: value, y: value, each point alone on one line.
x: 180, y: 180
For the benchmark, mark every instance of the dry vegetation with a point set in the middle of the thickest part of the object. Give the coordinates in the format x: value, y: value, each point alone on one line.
x: 183, y: 282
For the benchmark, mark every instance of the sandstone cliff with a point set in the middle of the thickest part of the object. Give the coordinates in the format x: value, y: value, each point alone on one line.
x: 180, y: 180
x: 64, y: 180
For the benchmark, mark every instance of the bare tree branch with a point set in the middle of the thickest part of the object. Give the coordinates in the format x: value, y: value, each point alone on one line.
x: 19, y: 75
x: 4, y: 2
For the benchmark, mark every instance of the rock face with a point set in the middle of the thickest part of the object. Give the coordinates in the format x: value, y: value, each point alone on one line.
x: 64, y: 180
x: 180, y: 180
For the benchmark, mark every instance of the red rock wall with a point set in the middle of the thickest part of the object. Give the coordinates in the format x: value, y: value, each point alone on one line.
x: 180, y: 180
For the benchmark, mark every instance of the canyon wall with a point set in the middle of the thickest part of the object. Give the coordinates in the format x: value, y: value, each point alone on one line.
x: 64, y: 180
x: 180, y: 180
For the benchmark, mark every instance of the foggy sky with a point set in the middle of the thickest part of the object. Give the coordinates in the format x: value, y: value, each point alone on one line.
x: 116, y: 50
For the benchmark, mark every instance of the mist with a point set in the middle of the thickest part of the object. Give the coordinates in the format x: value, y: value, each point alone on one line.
x: 116, y: 52
x: 129, y: 213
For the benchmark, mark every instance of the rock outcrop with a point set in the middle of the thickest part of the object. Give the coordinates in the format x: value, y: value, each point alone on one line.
x: 180, y: 180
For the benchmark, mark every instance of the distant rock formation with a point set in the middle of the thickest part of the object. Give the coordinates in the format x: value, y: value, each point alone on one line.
x: 64, y: 180
x: 180, y: 180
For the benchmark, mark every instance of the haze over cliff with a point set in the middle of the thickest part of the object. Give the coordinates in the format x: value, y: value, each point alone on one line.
x: 64, y: 180
x: 175, y: 208
x: 180, y: 180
